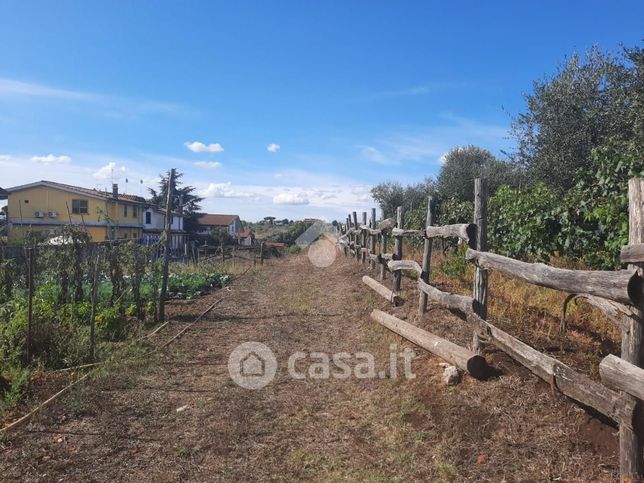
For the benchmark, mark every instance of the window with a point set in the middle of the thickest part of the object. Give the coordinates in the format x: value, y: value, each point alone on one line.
x: 135, y: 211
x: 124, y: 210
x: 148, y: 218
x: 79, y: 207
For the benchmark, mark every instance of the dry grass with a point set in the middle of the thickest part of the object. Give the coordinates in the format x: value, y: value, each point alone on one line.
x: 510, y: 428
x: 533, y: 313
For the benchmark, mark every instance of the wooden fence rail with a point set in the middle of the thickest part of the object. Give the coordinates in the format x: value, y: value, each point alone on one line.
x: 619, y: 294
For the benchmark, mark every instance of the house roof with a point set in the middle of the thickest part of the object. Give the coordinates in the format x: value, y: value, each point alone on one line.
x: 216, y: 220
x: 271, y: 244
x: 244, y: 234
x: 3, y: 194
x: 78, y: 189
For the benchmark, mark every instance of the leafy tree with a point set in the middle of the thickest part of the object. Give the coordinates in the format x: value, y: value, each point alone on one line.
x: 587, y: 101
x: 391, y: 194
x: 524, y: 222
x: 463, y: 164
x: 183, y: 196
x: 219, y: 236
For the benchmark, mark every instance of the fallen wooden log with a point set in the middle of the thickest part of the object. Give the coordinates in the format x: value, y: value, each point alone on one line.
x: 394, y: 265
x: 622, y: 375
x: 570, y: 382
x: 623, y: 286
x: 461, y: 357
x: 451, y: 301
x: 383, y: 291
x: 465, y: 231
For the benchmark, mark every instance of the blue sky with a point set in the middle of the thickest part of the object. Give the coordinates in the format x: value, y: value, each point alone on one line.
x: 345, y: 93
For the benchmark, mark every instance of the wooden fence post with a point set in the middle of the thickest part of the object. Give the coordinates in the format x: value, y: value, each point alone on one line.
x: 372, y: 239
x: 480, y: 275
x: 383, y: 250
x: 427, y: 257
x: 631, y: 442
x: 261, y: 253
x: 363, y: 253
x: 355, y: 236
x: 398, y: 248
x: 30, y: 295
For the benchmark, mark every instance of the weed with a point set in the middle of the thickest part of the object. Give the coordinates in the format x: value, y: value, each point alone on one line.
x: 446, y: 471
x: 13, y: 390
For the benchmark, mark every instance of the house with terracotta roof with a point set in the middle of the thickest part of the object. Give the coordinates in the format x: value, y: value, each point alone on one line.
x: 209, y: 222
x: 45, y: 207
x: 245, y: 238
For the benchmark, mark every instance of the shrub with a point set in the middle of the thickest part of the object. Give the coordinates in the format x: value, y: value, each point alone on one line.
x: 111, y: 323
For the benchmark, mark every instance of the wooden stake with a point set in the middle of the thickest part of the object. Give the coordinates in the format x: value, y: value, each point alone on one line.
x: 166, y: 254
x: 427, y: 257
x: 355, y: 236
x: 363, y: 242
x: 398, y: 248
x: 30, y: 312
x: 631, y: 442
x: 480, y: 274
x: 92, y: 320
x: 372, y: 239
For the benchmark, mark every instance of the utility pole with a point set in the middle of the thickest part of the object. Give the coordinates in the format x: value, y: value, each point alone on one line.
x: 166, y: 254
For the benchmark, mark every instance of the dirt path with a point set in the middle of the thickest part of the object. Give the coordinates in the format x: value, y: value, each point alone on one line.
x: 124, y: 425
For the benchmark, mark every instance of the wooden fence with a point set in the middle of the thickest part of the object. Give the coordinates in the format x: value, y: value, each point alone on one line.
x: 619, y: 294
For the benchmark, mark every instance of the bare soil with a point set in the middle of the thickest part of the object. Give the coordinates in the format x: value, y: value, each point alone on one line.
x: 123, y: 425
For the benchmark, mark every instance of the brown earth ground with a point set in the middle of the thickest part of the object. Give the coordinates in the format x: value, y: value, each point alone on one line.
x: 123, y: 425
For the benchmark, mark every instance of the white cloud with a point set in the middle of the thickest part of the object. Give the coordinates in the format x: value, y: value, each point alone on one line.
x: 199, y: 147
x: 286, y: 198
x: 108, y: 105
x: 273, y: 148
x: 373, y: 154
x: 110, y: 171
x: 223, y: 190
x: 428, y: 144
x: 208, y: 164
x: 51, y: 159
x: 14, y: 88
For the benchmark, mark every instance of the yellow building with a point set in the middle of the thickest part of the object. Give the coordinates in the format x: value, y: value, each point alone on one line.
x: 45, y: 206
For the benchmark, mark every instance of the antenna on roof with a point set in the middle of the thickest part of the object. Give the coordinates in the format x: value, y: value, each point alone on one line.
x: 126, y: 181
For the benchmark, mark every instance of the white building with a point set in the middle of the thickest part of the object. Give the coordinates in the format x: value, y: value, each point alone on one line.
x: 154, y: 224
